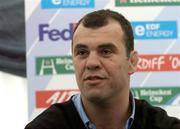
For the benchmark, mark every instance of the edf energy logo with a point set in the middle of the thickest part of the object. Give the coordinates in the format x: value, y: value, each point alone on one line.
x: 54, y: 34
x: 155, y: 30
x: 45, y: 4
x: 147, y: 2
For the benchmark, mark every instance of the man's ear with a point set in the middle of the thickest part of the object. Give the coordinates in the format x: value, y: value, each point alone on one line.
x: 133, y: 61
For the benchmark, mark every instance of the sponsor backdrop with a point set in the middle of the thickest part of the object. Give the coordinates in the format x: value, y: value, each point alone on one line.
x: 49, y: 27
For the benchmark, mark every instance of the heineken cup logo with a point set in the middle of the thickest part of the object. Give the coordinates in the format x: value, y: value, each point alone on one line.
x: 123, y: 1
x: 54, y: 65
x: 146, y: 2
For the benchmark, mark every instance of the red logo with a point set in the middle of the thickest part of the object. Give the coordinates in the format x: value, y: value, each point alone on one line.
x: 159, y: 63
x: 46, y: 98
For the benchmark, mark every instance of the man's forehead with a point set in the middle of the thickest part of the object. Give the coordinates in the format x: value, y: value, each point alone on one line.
x: 98, y: 46
x: 110, y: 23
x: 87, y: 35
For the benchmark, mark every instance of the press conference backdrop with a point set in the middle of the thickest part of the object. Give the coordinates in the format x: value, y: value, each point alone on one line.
x: 49, y: 28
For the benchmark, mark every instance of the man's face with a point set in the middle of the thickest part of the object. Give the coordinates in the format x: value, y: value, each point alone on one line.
x: 100, y: 62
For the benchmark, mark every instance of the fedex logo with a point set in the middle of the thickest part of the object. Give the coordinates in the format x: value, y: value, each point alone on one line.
x: 46, y: 32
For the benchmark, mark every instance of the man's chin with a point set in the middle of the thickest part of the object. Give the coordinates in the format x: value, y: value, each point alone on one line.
x: 96, y: 98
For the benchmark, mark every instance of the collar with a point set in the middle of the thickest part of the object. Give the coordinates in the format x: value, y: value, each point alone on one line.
x: 89, y: 125
x: 79, y: 107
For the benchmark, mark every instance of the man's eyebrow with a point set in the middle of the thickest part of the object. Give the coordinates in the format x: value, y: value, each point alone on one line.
x: 78, y: 46
x: 107, y: 45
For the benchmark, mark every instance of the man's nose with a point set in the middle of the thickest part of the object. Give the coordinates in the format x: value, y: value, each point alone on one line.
x: 93, y: 62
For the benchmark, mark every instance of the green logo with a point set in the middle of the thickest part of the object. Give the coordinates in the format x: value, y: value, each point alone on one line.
x: 147, y: 2
x: 54, y: 65
x: 158, y: 96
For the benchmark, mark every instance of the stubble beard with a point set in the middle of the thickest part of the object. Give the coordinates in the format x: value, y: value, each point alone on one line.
x: 98, y: 99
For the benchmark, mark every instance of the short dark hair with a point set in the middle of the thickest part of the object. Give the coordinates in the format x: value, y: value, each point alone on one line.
x: 101, y: 18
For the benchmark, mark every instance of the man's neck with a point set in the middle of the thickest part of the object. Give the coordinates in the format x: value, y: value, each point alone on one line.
x: 111, y: 116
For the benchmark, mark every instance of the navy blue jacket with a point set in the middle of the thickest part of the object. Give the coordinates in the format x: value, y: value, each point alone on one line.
x: 65, y: 116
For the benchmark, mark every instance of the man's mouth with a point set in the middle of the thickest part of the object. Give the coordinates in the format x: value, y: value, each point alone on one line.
x: 94, y: 77
x: 94, y: 80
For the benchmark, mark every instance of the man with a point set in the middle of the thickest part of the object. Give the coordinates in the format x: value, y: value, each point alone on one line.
x: 104, y: 58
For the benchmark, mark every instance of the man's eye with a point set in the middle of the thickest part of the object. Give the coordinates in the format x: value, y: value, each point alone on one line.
x: 106, y: 51
x: 82, y: 52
